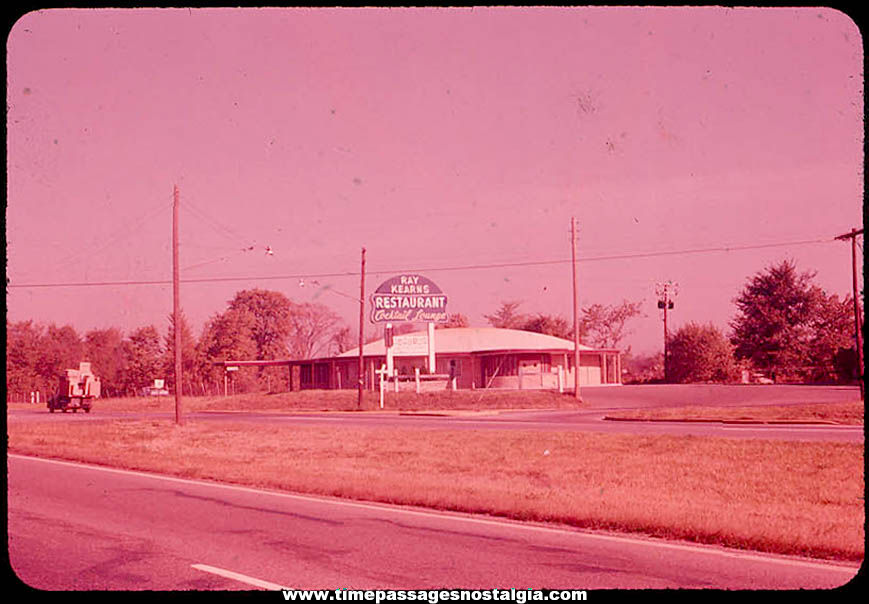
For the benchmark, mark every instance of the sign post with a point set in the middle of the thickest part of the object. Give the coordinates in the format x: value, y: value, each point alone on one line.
x: 382, y: 372
x: 431, y: 348
x: 225, y: 375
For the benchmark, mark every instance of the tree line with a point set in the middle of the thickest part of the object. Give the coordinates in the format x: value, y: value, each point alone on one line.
x: 257, y: 324
x: 785, y: 327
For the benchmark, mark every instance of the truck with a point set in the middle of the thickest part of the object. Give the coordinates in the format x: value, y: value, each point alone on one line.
x: 76, y: 389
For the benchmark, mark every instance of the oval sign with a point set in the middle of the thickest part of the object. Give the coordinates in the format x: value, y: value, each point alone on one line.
x: 409, y: 299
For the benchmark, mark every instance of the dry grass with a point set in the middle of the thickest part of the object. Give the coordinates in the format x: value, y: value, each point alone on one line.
x: 787, y: 497
x: 343, y: 400
x: 839, y: 413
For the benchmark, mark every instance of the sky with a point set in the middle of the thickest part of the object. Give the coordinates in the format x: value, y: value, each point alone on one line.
x: 693, y: 145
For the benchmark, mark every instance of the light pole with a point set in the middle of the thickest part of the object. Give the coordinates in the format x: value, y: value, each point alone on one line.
x: 666, y: 291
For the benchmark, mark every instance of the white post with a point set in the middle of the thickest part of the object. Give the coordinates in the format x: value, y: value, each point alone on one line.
x: 416, y: 375
x: 389, y: 357
x: 560, y: 379
x: 431, y: 348
x: 382, y: 373
x: 31, y: 397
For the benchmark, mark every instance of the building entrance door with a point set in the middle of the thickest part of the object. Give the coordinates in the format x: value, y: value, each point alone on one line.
x: 530, y: 374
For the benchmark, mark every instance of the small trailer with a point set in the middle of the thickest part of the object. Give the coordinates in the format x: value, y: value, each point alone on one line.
x: 76, y: 389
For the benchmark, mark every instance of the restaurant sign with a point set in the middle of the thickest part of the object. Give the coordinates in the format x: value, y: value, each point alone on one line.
x: 408, y: 298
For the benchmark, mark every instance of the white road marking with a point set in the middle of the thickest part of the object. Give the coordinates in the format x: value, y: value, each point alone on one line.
x: 843, y: 567
x: 228, y: 574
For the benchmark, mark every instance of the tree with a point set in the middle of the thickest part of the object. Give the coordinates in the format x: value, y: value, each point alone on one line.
x: 272, y: 320
x: 342, y: 340
x: 104, y: 349
x: 143, y: 359
x: 22, y: 350
x: 787, y: 326
x: 551, y: 325
x: 507, y: 316
x: 229, y: 337
x: 700, y: 353
x: 832, y: 328
x: 312, y: 327
x: 604, y: 326
x: 643, y: 369
x: 190, y: 362
x: 60, y: 348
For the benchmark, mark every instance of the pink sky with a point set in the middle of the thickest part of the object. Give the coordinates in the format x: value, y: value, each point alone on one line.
x: 435, y: 138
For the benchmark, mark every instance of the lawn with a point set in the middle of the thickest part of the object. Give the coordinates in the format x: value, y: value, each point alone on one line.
x: 787, y: 497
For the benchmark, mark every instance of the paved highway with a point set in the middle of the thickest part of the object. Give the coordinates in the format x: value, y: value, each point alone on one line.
x: 78, y: 527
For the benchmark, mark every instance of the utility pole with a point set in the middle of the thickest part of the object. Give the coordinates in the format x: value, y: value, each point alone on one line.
x: 665, y: 291
x: 575, y: 312
x: 852, y: 235
x: 176, y: 307
x: 361, y: 329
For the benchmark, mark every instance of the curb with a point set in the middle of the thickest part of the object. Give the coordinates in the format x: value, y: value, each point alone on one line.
x: 729, y: 421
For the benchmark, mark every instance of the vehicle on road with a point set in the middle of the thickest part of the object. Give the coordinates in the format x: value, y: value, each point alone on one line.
x: 76, y: 389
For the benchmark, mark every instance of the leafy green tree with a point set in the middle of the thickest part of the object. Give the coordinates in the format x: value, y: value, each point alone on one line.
x: 832, y: 328
x: 143, y: 359
x: 22, y: 351
x: 60, y: 348
x: 104, y: 348
x: 272, y: 320
x: 229, y: 337
x: 787, y: 326
x: 700, y: 353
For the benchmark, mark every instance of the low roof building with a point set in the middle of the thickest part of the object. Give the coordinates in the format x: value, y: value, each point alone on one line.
x: 472, y: 357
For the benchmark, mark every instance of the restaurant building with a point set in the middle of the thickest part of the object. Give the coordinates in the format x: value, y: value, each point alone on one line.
x: 468, y: 358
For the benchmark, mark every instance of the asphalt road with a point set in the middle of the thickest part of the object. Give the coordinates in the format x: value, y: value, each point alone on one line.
x: 77, y: 527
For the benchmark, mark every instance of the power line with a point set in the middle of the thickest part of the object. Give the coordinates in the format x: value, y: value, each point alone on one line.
x: 212, y: 222
x: 731, y: 248
x: 116, y: 237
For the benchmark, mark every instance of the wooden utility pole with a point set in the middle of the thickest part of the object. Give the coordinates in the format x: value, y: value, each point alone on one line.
x: 665, y: 302
x: 575, y: 312
x: 176, y: 308
x: 361, y: 330
x: 858, y: 337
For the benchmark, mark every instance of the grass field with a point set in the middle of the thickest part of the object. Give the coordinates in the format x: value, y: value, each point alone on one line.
x: 346, y: 400
x: 787, y: 497
x: 850, y: 413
